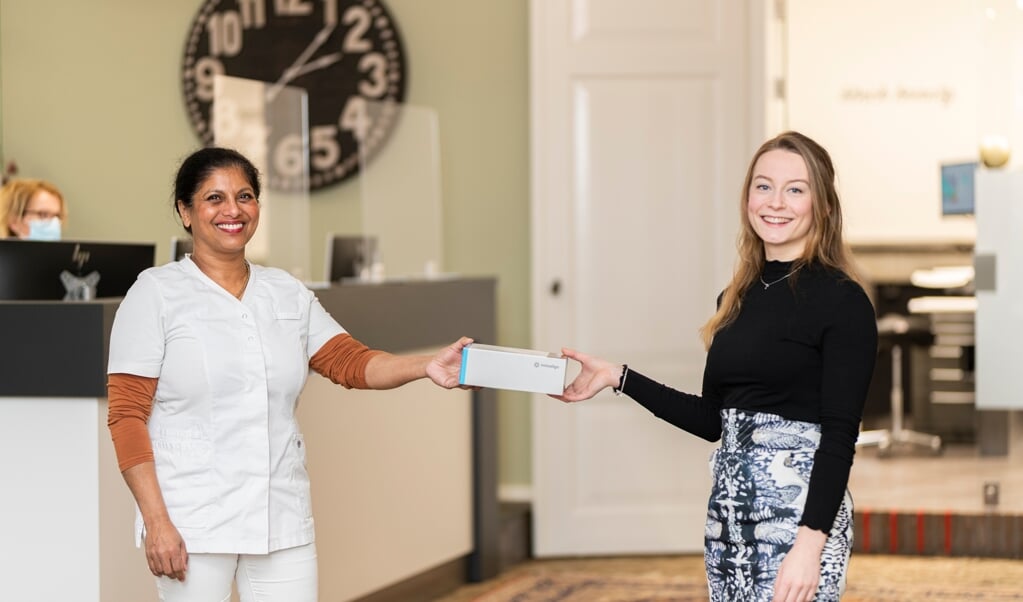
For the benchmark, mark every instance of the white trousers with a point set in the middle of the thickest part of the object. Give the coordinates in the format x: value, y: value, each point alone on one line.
x: 287, y: 575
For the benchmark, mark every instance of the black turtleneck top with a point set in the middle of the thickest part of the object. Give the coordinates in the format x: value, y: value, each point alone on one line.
x: 802, y: 348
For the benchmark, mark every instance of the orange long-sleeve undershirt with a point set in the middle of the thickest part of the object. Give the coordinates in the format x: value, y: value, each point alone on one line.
x: 130, y: 400
x: 342, y: 359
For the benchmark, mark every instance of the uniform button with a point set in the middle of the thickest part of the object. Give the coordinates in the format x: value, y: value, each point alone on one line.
x: 252, y: 339
x: 245, y: 316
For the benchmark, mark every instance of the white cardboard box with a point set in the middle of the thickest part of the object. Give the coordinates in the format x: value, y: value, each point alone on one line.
x: 513, y: 369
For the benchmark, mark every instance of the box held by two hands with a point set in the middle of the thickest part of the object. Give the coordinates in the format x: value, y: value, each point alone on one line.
x: 513, y: 369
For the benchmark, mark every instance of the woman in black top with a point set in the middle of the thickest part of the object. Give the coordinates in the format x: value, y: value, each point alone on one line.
x: 791, y: 352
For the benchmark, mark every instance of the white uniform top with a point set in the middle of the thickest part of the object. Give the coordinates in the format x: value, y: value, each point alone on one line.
x: 229, y: 456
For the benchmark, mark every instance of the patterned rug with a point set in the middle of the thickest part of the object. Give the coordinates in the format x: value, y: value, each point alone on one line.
x: 542, y: 586
x: 597, y: 587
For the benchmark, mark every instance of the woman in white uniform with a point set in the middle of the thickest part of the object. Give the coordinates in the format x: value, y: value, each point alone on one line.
x: 208, y: 356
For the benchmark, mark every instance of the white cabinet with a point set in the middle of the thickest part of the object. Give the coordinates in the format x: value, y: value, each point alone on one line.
x: 998, y: 262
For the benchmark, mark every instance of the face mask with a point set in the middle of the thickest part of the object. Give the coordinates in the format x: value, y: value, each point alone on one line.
x: 44, y: 229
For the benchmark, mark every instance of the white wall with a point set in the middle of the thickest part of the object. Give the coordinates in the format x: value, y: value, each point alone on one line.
x: 893, y: 89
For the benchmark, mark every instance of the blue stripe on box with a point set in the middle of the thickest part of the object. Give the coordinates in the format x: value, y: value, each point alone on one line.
x: 465, y: 360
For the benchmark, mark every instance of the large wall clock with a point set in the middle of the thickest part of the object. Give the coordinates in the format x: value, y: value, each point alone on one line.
x: 347, y: 54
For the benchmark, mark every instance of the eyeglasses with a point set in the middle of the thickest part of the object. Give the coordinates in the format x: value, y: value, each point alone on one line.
x: 36, y: 214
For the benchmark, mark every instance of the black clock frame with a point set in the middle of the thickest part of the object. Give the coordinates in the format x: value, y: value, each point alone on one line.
x: 347, y: 54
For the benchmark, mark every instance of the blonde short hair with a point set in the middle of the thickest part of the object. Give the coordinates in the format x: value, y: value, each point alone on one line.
x: 15, y: 196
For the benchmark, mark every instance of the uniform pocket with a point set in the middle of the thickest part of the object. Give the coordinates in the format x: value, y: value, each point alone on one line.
x: 300, y: 475
x: 183, y: 471
x: 286, y: 309
x: 285, y: 343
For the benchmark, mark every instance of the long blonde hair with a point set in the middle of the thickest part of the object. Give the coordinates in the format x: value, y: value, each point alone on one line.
x: 824, y: 247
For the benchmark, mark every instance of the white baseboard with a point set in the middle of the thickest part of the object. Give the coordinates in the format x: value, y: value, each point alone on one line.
x: 513, y: 492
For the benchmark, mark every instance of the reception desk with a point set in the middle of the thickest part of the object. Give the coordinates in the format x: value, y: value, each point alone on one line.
x: 404, y: 481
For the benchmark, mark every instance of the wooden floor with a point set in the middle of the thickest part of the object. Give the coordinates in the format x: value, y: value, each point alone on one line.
x: 958, y: 503
x: 913, y: 480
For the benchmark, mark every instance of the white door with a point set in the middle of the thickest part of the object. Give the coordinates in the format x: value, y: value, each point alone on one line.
x: 640, y: 132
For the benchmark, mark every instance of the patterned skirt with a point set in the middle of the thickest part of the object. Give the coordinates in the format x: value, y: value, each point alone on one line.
x: 761, y: 473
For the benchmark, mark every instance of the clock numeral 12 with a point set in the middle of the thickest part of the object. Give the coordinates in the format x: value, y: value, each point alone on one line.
x: 302, y: 8
x: 293, y: 8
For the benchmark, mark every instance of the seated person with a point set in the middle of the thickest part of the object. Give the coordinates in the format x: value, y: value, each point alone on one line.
x: 31, y: 210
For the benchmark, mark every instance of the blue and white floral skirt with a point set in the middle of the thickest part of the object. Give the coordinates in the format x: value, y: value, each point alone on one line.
x: 761, y: 474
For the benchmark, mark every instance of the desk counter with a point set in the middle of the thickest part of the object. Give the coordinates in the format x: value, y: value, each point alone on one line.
x: 67, y: 509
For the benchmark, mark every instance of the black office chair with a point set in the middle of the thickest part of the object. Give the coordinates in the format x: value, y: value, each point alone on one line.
x: 899, y: 332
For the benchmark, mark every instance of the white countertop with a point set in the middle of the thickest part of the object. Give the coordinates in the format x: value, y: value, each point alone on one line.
x: 937, y: 305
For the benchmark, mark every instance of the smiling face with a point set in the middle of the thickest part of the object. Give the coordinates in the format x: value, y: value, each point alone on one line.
x: 224, y: 213
x: 780, y: 204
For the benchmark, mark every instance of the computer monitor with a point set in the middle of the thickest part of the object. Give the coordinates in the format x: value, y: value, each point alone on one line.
x: 31, y: 270
x: 180, y: 247
x: 347, y: 255
x: 957, y: 188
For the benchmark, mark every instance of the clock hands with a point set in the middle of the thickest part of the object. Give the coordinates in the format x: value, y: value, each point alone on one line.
x: 299, y: 67
x: 320, y: 63
x: 341, y: 67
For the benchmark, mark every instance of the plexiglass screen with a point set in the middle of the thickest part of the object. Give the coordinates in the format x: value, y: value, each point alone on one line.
x: 269, y: 125
x: 400, y: 187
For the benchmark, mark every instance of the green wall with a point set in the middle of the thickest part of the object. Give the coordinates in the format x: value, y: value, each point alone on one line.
x: 90, y: 100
